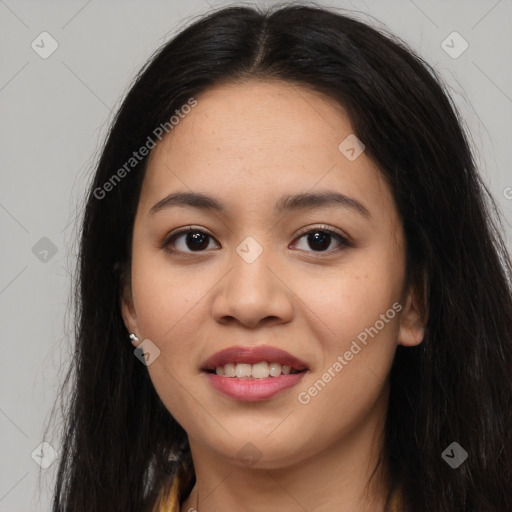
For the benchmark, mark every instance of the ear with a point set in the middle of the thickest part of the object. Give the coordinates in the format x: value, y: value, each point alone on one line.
x: 127, y: 307
x: 413, y: 320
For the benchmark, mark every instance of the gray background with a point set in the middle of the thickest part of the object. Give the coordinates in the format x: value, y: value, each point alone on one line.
x: 54, y: 114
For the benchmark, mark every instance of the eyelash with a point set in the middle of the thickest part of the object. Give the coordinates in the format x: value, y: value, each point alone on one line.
x: 344, y: 242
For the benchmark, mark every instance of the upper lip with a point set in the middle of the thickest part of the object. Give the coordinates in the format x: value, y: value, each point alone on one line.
x: 253, y: 355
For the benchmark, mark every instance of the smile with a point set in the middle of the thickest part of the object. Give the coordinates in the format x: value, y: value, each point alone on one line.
x: 260, y: 370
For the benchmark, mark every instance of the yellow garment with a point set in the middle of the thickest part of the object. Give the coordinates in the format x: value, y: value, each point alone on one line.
x: 170, y: 501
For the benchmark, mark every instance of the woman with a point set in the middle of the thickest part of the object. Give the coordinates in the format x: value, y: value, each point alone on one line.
x: 292, y: 294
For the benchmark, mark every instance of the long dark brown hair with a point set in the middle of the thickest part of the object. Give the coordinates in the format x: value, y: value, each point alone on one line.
x: 121, y: 445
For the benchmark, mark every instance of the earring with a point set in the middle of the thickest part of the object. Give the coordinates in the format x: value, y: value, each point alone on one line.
x: 134, y: 338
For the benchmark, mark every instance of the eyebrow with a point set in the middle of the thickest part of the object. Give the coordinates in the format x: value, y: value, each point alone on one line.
x: 290, y: 202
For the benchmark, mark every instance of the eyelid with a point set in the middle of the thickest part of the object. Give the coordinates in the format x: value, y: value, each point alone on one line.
x: 180, y: 231
x: 325, y: 228
x: 344, y: 239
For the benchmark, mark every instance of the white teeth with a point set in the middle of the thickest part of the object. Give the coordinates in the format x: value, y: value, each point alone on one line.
x: 243, y: 370
x: 260, y: 370
x: 275, y: 369
x: 229, y: 370
x: 257, y: 371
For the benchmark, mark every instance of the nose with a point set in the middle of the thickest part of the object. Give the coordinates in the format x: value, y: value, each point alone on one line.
x: 253, y: 293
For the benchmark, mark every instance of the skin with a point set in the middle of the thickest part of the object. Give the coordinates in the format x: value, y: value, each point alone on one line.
x: 247, y: 144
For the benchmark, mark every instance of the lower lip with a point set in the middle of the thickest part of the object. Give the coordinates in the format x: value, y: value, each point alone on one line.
x: 253, y: 390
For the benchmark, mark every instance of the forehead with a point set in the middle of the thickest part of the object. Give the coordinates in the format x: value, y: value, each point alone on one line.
x: 253, y: 138
x: 237, y: 120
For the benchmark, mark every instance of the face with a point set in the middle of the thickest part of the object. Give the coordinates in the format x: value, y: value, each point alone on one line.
x: 321, y: 280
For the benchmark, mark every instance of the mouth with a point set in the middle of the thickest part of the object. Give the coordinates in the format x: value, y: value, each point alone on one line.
x: 253, y: 373
x: 256, y: 362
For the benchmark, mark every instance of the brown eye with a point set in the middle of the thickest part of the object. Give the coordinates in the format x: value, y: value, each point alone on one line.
x: 188, y: 240
x: 192, y: 240
x: 320, y: 239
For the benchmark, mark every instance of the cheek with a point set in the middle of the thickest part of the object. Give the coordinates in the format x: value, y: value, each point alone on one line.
x: 354, y: 298
x: 360, y: 307
x: 356, y: 352
x: 167, y: 298
x: 169, y: 313
x: 357, y: 335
